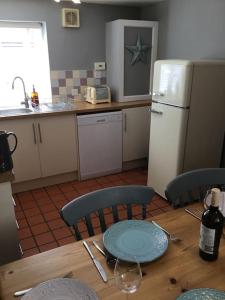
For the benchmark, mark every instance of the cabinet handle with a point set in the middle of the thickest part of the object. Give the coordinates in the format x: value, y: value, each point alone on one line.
x: 158, y: 94
x: 17, y: 225
x: 156, y: 112
x: 21, y: 250
x: 39, y: 130
x: 14, y: 202
x: 125, y: 122
x: 34, y: 133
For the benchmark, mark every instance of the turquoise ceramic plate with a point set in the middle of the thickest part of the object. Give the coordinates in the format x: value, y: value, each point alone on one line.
x: 202, y: 294
x: 135, y: 240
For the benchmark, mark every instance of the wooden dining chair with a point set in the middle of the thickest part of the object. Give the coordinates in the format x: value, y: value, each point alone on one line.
x: 192, y: 186
x: 95, y: 202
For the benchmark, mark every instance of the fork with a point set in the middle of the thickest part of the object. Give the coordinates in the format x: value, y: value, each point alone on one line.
x: 171, y: 236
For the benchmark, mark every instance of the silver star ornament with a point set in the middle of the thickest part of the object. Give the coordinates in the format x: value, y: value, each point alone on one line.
x: 139, y: 51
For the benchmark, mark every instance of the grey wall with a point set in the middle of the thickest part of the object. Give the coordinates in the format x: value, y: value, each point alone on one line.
x: 189, y: 29
x: 69, y: 48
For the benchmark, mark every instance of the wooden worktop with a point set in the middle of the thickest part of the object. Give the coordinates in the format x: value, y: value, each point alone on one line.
x: 80, y: 107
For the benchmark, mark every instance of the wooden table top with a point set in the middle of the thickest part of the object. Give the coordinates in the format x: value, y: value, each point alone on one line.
x: 180, y: 268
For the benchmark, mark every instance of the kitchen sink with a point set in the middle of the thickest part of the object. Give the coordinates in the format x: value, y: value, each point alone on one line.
x: 15, y: 111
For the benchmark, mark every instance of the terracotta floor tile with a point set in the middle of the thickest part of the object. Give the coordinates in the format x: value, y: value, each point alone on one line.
x: 47, y: 208
x: 19, y: 215
x: 61, y: 233
x: 28, y: 205
x: 58, y: 197
x: 57, y: 223
x: 102, y: 180
x: 53, y: 190
x: 71, y: 195
x: 82, y: 226
x: 24, y: 196
x: 51, y: 215
x: 167, y: 208
x: 39, y: 228
x: 43, y: 201
x: 60, y: 204
x: 66, y: 241
x: 29, y: 252
x: 152, y: 206
x: 36, y: 220
x: 44, y: 238
x: 32, y: 212
x: 24, y: 233
x: 107, y: 184
x: 114, y: 177
x: 48, y: 246
x: 27, y: 243
x: 41, y: 193
x: 83, y: 190
x: 156, y: 212
x: 161, y: 203
x: 66, y: 187
x: 22, y: 223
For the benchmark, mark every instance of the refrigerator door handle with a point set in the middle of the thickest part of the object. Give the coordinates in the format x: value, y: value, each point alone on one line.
x: 156, y: 111
x: 158, y: 94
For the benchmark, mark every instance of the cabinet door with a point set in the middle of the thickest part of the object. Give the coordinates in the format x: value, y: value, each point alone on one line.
x: 26, y: 163
x: 136, y: 122
x: 57, y: 144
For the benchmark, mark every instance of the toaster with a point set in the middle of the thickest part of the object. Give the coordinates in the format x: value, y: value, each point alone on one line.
x: 98, y: 94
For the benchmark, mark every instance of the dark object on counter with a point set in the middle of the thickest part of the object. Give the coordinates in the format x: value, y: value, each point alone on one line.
x: 211, y: 229
x: 6, y: 162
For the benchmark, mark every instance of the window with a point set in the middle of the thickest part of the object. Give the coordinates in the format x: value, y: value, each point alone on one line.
x: 24, y: 53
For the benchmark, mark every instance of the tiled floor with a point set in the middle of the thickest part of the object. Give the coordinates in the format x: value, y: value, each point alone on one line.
x: 37, y: 211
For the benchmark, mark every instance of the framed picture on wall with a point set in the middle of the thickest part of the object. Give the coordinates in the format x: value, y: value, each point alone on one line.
x: 70, y: 17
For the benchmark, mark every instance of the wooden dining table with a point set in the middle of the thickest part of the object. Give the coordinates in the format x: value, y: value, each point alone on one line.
x: 178, y: 270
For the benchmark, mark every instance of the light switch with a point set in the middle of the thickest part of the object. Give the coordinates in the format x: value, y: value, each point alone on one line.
x: 99, y: 66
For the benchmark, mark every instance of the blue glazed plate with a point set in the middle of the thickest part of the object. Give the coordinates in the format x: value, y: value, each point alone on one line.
x: 202, y: 294
x: 135, y: 240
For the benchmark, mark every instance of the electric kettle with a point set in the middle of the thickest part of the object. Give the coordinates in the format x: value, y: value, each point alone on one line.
x: 6, y: 162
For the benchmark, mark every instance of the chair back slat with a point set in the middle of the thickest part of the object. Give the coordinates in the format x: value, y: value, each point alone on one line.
x: 115, y: 214
x: 129, y: 212
x: 97, y: 201
x: 197, y: 180
x: 77, y: 232
x: 144, y: 211
x: 102, y: 220
x: 89, y: 225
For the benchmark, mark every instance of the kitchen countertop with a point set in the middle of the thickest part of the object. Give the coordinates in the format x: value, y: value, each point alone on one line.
x: 6, y: 176
x: 77, y: 108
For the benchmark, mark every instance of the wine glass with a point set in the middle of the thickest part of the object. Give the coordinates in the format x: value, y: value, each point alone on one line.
x: 127, y: 275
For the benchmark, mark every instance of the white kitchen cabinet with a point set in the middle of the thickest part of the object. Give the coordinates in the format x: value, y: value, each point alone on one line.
x: 9, y: 240
x: 26, y: 162
x: 136, y: 122
x: 46, y: 146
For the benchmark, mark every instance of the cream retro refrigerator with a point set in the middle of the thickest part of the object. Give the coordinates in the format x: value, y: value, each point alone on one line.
x: 187, y: 119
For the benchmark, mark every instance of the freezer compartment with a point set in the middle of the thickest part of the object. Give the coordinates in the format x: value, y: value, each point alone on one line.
x: 167, y: 143
x: 172, y: 82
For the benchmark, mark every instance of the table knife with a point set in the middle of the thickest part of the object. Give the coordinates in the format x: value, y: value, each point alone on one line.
x: 23, y: 292
x: 96, y: 262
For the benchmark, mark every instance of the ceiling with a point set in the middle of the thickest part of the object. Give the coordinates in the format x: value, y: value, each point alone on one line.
x: 122, y: 2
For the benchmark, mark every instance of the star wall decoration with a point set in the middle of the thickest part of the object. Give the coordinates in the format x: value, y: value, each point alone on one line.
x: 139, y: 51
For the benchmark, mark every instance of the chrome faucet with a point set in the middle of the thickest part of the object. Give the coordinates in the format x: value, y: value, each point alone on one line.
x: 26, y: 98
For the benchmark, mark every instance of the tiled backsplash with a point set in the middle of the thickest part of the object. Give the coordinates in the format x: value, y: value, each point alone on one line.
x: 68, y: 84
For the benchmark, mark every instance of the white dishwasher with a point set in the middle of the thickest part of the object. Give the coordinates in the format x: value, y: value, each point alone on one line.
x: 99, y: 144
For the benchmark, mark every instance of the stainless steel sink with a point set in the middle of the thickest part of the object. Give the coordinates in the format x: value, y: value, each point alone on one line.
x: 15, y: 111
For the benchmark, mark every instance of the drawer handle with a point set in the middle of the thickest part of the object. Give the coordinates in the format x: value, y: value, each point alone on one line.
x: 34, y: 133
x: 39, y: 130
x: 101, y: 120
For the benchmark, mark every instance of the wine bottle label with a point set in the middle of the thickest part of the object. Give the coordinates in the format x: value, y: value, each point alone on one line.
x: 207, y: 239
